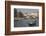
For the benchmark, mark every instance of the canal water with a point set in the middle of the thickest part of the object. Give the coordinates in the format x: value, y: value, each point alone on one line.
x: 26, y: 23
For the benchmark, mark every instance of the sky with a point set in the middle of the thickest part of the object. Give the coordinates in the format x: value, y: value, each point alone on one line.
x: 27, y: 10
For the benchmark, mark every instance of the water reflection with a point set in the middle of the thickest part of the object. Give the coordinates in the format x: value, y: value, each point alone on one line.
x: 26, y: 23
